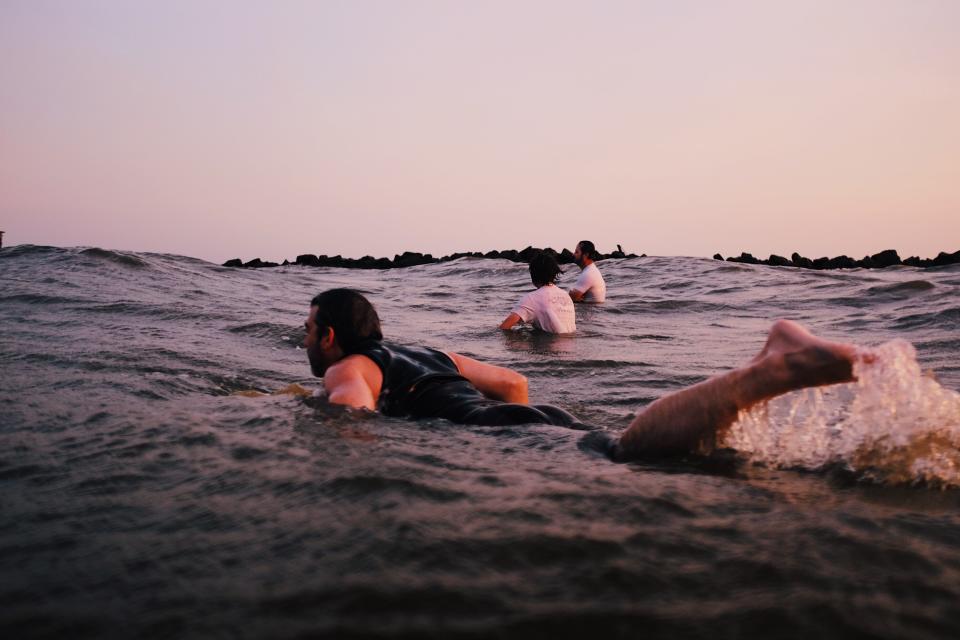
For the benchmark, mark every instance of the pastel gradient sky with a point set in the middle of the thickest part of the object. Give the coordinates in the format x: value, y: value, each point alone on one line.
x: 223, y: 129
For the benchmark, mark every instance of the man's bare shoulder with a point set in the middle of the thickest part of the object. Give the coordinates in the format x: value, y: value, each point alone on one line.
x: 355, y: 381
x: 354, y: 365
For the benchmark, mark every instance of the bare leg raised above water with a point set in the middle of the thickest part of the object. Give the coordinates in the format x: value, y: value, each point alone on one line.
x: 791, y: 359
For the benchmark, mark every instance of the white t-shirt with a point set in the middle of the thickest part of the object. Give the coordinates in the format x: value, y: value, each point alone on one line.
x: 591, y: 284
x: 549, y: 308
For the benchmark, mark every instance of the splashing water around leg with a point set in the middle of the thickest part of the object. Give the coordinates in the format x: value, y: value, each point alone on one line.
x: 893, y: 425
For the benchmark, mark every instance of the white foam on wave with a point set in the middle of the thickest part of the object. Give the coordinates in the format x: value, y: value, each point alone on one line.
x: 894, y: 425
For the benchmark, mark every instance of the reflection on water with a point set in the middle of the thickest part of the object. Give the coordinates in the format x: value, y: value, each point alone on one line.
x: 528, y: 340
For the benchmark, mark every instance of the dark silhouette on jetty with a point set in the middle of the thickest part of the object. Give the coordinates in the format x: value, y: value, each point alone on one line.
x: 412, y: 259
x: 887, y: 258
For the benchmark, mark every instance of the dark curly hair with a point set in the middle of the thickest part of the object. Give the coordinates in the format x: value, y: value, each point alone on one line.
x: 587, y: 248
x: 544, y: 269
x: 352, y: 317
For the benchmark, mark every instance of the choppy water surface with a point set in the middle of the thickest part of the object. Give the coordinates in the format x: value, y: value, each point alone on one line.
x: 142, y: 497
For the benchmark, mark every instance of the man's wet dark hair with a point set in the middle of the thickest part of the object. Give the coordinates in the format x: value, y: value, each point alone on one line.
x: 544, y: 269
x: 587, y: 248
x: 352, y: 317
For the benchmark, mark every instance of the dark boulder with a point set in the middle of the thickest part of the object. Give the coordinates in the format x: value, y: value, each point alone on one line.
x: 333, y: 261
x: 527, y: 254
x: 800, y: 261
x: 717, y: 256
x: 256, y: 263
x: 744, y: 258
x: 778, y: 261
x: 866, y: 263
x: 492, y: 254
x: 821, y: 263
x: 308, y: 260
x: 411, y: 259
x: 236, y: 262
x: 510, y: 254
x: 913, y: 261
x: 944, y: 258
x: 842, y: 262
x: 565, y: 257
x: 886, y: 258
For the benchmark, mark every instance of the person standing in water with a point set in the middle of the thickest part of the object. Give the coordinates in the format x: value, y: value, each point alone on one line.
x: 547, y: 308
x: 345, y: 347
x: 590, y: 286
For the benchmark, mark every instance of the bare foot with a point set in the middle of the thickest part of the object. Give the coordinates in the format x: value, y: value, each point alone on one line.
x: 803, y: 359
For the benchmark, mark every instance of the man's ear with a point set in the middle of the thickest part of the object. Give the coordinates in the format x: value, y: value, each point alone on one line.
x: 326, y: 337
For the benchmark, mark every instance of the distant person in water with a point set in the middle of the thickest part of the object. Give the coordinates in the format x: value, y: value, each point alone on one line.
x: 548, y: 307
x: 345, y: 346
x: 590, y: 286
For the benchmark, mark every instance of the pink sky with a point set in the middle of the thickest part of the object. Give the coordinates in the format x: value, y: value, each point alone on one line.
x: 223, y: 129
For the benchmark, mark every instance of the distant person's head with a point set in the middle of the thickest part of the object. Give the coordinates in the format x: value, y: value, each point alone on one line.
x: 544, y: 269
x: 340, y: 321
x: 584, y: 254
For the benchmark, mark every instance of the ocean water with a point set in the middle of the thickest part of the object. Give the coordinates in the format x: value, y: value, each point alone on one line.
x: 144, y: 493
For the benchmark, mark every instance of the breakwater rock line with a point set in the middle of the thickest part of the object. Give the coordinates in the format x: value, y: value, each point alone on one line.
x: 887, y: 258
x: 412, y: 259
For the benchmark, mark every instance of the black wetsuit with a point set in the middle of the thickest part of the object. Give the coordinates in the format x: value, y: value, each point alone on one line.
x: 425, y: 383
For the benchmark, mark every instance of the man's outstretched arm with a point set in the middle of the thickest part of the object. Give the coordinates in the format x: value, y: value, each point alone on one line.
x: 510, y: 321
x: 576, y: 296
x: 497, y: 383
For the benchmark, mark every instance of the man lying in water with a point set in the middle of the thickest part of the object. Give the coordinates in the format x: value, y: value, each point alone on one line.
x: 345, y: 346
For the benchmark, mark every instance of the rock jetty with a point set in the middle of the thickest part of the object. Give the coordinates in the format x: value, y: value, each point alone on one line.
x: 412, y: 259
x: 887, y: 258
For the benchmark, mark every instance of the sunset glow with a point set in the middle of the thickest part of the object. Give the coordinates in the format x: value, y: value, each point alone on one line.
x: 222, y: 129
